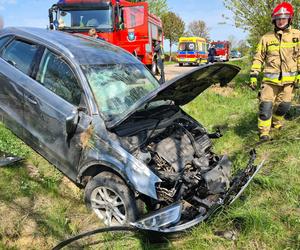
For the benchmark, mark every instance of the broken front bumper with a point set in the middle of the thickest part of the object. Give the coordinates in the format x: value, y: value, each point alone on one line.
x: 7, y: 159
x: 168, y: 219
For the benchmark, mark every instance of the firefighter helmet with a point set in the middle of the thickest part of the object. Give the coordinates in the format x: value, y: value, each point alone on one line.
x: 283, y: 10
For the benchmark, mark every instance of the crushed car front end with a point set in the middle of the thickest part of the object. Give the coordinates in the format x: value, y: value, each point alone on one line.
x: 183, y: 214
x: 194, y: 181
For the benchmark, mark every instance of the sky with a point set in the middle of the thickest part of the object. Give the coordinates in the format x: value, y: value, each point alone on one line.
x: 35, y: 13
x: 210, y: 12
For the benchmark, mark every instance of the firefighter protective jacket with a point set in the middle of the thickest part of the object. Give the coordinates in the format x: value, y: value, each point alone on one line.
x: 278, y: 54
x: 159, y: 50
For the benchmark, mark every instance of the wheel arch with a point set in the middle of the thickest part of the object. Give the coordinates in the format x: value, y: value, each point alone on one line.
x: 138, y: 177
x: 94, y: 168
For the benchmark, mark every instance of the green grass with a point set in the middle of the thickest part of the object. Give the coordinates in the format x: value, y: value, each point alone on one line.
x: 39, y: 207
x: 169, y: 62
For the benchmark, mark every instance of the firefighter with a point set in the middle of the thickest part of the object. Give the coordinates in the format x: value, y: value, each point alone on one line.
x: 211, y: 54
x: 278, y: 53
x: 159, y: 51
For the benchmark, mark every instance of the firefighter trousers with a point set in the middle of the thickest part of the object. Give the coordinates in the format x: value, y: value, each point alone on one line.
x: 275, y: 102
x: 160, y: 64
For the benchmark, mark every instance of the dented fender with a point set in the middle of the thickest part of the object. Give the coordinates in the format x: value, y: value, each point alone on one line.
x: 109, y: 153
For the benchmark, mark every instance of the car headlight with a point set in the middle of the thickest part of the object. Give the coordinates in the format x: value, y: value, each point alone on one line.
x: 162, y: 218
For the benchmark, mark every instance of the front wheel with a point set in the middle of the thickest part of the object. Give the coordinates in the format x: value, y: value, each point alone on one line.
x: 111, y: 199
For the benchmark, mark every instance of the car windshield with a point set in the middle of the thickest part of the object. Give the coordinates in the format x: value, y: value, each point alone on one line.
x: 187, y: 46
x: 84, y: 19
x: 219, y: 46
x: 118, y: 88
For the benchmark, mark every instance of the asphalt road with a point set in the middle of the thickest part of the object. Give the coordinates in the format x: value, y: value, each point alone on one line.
x: 174, y: 70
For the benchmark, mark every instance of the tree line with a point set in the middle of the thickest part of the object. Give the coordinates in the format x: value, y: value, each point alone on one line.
x: 252, y: 16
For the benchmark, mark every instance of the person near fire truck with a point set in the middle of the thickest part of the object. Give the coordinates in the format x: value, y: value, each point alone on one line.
x: 278, y: 55
x: 211, y: 54
x: 159, y: 51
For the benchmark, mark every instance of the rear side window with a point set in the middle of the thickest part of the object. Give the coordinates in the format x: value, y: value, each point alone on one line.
x: 4, y: 40
x: 21, y: 55
x: 56, y: 75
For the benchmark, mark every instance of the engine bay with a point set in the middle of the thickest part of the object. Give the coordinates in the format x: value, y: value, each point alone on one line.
x: 179, y: 151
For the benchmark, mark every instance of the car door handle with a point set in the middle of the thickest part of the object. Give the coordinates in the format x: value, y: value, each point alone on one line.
x: 34, y: 102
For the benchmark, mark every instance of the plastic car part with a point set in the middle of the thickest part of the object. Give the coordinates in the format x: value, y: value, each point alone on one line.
x: 7, y: 159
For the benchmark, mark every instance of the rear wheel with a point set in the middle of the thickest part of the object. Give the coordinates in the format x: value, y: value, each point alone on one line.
x: 180, y: 64
x: 111, y: 199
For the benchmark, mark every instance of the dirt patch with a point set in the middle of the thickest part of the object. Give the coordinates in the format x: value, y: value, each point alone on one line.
x: 33, y: 171
x: 224, y: 91
x: 9, y: 229
x: 14, y: 218
x: 68, y: 188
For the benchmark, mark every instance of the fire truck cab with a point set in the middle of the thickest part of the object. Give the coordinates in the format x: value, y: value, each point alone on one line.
x: 222, y: 50
x: 122, y: 23
x: 192, y: 50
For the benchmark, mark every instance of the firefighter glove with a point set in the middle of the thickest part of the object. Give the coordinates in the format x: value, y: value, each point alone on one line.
x: 297, y: 82
x: 253, y: 83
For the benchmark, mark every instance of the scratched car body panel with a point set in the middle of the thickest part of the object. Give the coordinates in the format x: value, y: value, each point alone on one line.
x: 102, y: 119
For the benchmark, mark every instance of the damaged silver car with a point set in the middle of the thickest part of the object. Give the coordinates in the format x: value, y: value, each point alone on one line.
x: 97, y: 114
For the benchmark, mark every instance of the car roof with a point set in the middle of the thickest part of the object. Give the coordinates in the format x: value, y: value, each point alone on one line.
x: 85, y: 50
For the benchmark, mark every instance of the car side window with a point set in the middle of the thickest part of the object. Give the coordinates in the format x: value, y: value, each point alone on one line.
x: 56, y: 75
x: 4, y: 40
x: 21, y: 55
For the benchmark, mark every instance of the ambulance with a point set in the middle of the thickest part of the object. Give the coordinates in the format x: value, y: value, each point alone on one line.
x: 192, y: 50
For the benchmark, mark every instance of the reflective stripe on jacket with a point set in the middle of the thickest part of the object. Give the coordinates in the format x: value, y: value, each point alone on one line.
x: 278, y: 54
x: 159, y: 50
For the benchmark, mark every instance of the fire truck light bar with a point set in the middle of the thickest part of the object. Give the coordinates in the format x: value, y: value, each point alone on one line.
x: 81, y: 1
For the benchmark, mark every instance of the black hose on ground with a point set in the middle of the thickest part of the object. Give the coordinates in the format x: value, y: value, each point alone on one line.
x: 96, y: 231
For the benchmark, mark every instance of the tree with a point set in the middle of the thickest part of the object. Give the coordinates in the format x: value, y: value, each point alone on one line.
x: 173, y: 27
x: 198, y: 28
x: 156, y: 7
x: 255, y: 16
x: 243, y: 47
x: 233, y: 41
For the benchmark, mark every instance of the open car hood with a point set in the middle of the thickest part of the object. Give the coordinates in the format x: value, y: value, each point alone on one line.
x: 186, y: 87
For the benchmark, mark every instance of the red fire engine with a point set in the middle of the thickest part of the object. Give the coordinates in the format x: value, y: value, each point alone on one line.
x: 125, y: 24
x: 222, y: 50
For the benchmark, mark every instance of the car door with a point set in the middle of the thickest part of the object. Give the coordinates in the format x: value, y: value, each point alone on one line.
x: 49, y: 101
x: 16, y: 63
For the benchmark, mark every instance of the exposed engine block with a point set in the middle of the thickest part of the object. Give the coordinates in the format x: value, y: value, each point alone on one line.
x: 181, y: 156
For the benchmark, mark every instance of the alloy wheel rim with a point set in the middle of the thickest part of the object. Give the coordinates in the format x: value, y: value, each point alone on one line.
x: 108, y: 206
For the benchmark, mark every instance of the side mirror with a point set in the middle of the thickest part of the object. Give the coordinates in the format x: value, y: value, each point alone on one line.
x: 71, y: 123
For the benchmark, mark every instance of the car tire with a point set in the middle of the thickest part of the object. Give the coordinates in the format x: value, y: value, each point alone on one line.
x: 180, y: 64
x: 105, y: 188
